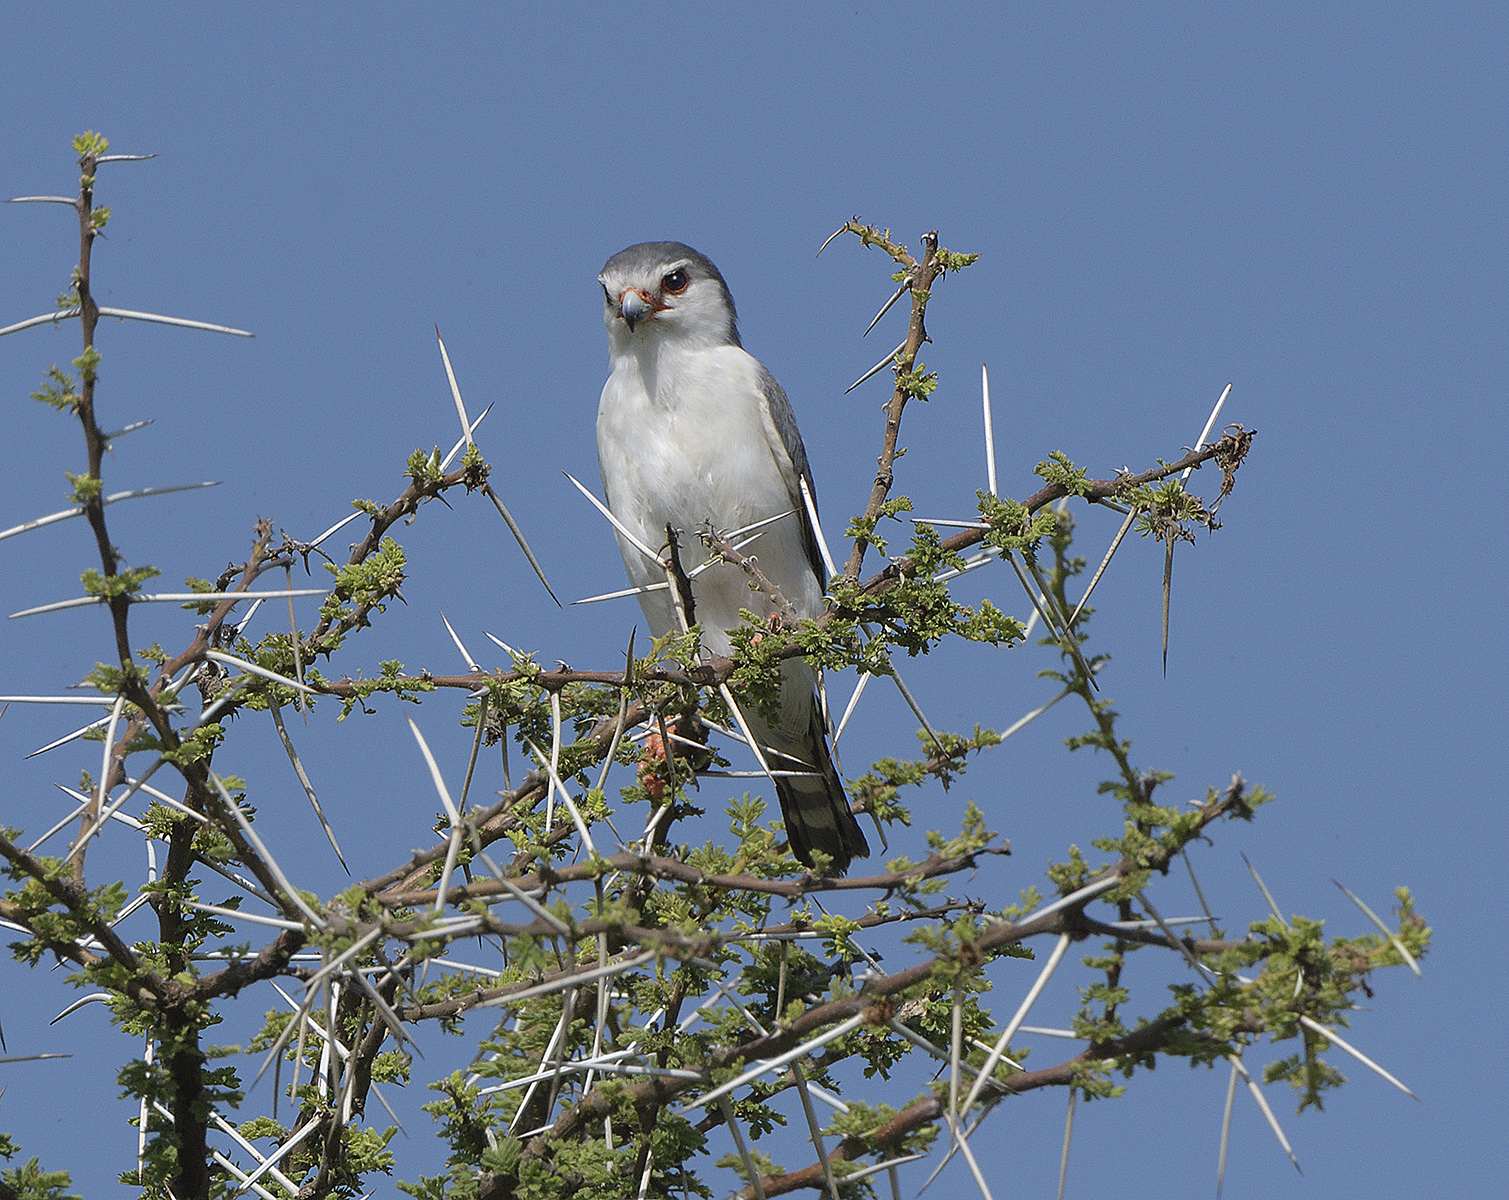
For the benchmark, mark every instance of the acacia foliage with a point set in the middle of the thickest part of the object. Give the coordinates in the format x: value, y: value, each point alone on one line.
x: 634, y: 981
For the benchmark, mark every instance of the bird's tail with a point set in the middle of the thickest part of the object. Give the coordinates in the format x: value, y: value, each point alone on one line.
x: 816, y: 807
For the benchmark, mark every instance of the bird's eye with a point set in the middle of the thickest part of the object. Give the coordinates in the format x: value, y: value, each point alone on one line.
x: 675, y: 282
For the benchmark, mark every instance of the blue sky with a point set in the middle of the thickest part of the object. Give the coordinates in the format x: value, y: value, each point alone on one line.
x: 1305, y: 201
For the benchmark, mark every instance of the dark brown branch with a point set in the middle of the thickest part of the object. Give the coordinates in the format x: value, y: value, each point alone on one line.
x: 874, y: 1003
x: 1143, y: 1040
x: 717, y: 670
x: 659, y: 867
x: 720, y: 546
x: 921, y: 276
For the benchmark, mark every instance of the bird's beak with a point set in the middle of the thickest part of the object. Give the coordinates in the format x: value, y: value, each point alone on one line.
x: 636, y: 305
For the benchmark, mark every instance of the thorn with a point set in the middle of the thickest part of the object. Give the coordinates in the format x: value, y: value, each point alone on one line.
x: 1063, y: 1165
x: 466, y: 425
x: 817, y: 528
x: 126, y: 314
x: 1168, y: 583
x: 1267, y: 895
x: 819, y: 253
x: 990, y: 437
x: 1383, y: 929
x: 999, y: 1049
x: 518, y: 535
x: 298, y: 768
x: 1231, y: 1095
x: 464, y: 440
x: 1209, y: 425
x: 886, y: 307
x: 1101, y: 570
x: 875, y: 370
x: 632, y: 539
x: 1262, y: 1103
x: 1331, y: 1036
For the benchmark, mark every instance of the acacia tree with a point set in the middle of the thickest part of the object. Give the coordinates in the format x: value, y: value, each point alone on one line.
x: 657, y: 1017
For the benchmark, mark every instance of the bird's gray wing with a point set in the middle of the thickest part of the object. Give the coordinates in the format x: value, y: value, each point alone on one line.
x: 784, y: 421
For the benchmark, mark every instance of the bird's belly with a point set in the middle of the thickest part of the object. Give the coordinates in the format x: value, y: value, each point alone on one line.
x: 686, y: 470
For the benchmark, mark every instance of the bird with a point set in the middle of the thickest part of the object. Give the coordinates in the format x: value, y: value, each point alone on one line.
x: 692, y: 429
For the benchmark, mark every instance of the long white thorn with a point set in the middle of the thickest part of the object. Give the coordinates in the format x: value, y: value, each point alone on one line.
x: 974, y: 1169
x: 91, y: 701
x: 278, y: 1155
x: 813, y: 1129
x: 109, y: 749
x: 732, y: 534
x: 955, y: 1049
x: 141, y: 1122
x: 571, y: 981
x: 990, y: 434
x: 1071, y: 643
x: 1022, y: 722
x: 555, y: 782
x: 618, y: 728
x: 1383, y: 929
x: 165, y: 598
x: 1015, y: 1023
x: 748, y: 733
x: 113, y: 810
x: 622, y: 592
x: 114, y: 498
x: 92, y: 998
x: 916, y: 708
x: 859, y: 688
x: 1174, y: 940
x: 623, y: 529
x: 884, y: 308
x: 297, y: 643
x: 126, y: 314
x: 518, y: 536
x: 525, y: 898
x: 1063, y: 1162
x: 339, y: 525
x: 889, y: 1164
x: 51, y: 318
x: 466, y: 655
x: 1262, y: 1103
x: 1331, y: 1036
x: 561, y: 1029
x: 817, y: 526
x: 1267, y: 895
x: 230, y: 660
x: 298, y: 769
x: 1231, y: 1095
x: 875, y: 370
x: 466, y: 425
x: 435, y: 776
x: 1209, y: 425
x: 464, y: 441
x: 235, y: 914
x: 471, y: 762
x: 1104, y: 563
x: 272, y: 864
x: 502, y: 645
x: 234, y: 1134
x: 107, y: 438
x: 780, y: 1060
x: 749, y: 1167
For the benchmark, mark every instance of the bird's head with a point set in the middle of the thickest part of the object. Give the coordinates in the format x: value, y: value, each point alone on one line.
x: 666, y: 290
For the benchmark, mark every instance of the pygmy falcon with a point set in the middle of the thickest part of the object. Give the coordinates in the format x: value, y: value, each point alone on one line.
x: 693, y: 430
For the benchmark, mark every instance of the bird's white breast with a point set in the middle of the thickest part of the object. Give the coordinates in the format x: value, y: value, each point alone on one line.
x: 683, y: 437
